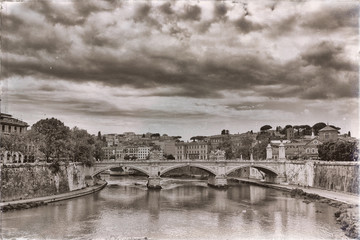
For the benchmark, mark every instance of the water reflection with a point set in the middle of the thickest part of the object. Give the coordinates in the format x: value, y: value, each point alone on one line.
x: 182, y: 210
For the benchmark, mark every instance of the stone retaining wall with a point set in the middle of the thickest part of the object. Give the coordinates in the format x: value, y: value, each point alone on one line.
x: 337, y: 176
x: 24, y: 181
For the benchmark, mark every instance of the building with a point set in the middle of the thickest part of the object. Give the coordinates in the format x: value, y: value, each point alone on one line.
x: 169, y: 147
x: 143, y: 152
x: 297, y: 149
x: 113, y: 152
x: 328, y: 134
x: 193, y: 150
x: 290, y: 133
x: 8, y: 124
x: 217, y: 140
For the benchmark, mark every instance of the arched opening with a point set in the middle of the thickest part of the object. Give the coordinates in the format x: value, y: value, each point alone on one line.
x: 129, y: 167
x: 187, y: 171
x: 254, y: 172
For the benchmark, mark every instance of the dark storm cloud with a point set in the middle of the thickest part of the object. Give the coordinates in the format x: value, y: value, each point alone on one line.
x: 220, y: 10
x: 142, y: 12
x: 330, y: 18
x: 135, y: 58
x: 191, y: 12
x: 98, y: 107
x: 166, y: 8
x: 244, y: 25
x: 328, y: 55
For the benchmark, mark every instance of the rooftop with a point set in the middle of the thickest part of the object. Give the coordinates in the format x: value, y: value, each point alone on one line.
x: 327, y: 128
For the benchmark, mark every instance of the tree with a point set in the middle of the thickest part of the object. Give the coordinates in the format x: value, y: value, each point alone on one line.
x: 99, y: 136
x: 98, y: 151
x: 197, y: 138
x: 155, y: 135
x: 83, y: 146
x: 225, y: 132
x: 265, y: 128
x: 52, y: 137
x: 339, y: 151
x: 169, y: 157
x: 259, y: 150
x: 317, y: 127
x: 226, y: 146
x: 245, y: 147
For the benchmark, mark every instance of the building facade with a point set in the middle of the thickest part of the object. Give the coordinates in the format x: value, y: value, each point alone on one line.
x: 193, y: 150
x: 328, y: 134
x: 9, y: 125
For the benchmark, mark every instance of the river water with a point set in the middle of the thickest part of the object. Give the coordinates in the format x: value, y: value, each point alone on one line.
x: 183, y: 209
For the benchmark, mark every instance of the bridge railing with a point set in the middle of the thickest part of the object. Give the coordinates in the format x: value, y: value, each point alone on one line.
x: 182, y: 161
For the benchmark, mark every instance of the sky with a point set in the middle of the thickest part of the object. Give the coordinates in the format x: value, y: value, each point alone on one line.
x: 181, y: 67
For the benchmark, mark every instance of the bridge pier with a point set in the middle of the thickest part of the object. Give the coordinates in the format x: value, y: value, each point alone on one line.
x: 217, y: 181
x: 280, y: 179
x: 153, y: 183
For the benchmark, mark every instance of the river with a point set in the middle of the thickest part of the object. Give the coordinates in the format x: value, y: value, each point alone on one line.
x: 183, y: 209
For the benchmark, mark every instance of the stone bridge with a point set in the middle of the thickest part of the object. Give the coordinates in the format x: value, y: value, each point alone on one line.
x: 218, y: 169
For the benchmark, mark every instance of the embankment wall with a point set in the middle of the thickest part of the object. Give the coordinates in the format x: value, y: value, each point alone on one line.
x: 335, y: 176
x: 37, y: 180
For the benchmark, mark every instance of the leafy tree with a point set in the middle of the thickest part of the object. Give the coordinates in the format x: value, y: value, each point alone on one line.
x: 339, y: 151
x: 170, y: 157
x: 283, y: 131
x: 225, y: 132
x: 82, y: 146
x: 99, y: 136
x: 245, y: 147
x: 265, y: 128
x: 226, y: 146
x: 197, y: 138
x: 126, y: 157
x: 155, y: 135
x: 155, y: 147
x: 51, y: 136
x: 259, y: 150
x: 98, y: 151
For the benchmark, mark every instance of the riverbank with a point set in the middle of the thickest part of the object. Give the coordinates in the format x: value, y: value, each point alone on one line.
x: 347, y: 204
x: 35, y: 202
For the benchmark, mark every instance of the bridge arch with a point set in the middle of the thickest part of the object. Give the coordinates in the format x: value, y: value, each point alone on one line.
x: 267, y: 170
x: 207, y: 169
x: 97, y: 171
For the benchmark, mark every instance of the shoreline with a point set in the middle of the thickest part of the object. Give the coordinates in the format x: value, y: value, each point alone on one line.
x: 348, y: 198
x: 39, y: 201
x: 347, y: 215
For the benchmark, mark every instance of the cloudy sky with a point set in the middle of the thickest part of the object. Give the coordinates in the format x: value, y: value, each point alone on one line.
x: 181, y: 67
